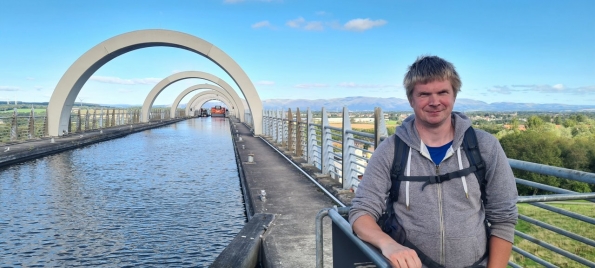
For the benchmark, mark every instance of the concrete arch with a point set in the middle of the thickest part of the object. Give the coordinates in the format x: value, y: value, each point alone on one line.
x: 187, y: 75
x: 81, y: 70
x: 197, y: 98
x: 204, y: 93
x: 204, y: 97
x: 232, y: 109
x: 202, y: 101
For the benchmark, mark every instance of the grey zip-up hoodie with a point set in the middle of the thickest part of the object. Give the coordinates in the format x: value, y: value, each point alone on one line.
x: 441, y: 221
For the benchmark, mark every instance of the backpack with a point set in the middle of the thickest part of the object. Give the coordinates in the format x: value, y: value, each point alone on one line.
x: 388, y: 221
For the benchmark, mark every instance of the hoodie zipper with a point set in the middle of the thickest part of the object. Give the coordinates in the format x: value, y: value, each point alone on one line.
x: 441, y: 218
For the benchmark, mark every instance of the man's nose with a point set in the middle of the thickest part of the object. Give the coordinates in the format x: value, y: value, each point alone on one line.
x: 434, y: 100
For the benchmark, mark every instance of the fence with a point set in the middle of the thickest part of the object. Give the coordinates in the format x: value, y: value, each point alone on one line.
x: 343, y: 154
x: 20, y: 127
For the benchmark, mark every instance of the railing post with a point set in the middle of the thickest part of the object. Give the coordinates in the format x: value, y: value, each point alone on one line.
x: 107, y: 119
x: 279, y: 129
x: 289, y: 130
x: 78, y: 123
x: 310, y: 137
x: 94, y: 120
x: 87, y: 120
x: 298, y: 133
x: 325, y: 147
x: 273, y: 125
x: 69, y: 123
x: 283, y: 129
x: 348, y: 151
x: 113, y: 117
x: 14, y: 134
x: 266, y: 123
x: 46, y: 132
x: 101, y: 118
x: 32, y: 124
x: 379, y: 126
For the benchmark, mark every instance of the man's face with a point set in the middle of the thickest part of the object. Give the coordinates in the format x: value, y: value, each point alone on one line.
x: 432, y: 103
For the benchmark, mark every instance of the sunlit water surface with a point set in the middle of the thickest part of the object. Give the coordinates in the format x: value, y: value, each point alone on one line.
x: 163, y: 197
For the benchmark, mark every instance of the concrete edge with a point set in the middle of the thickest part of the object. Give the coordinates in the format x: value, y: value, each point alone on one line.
x: 244, y: 251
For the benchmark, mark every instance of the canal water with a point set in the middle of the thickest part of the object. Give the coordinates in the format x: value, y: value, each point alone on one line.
x: 163, y: 197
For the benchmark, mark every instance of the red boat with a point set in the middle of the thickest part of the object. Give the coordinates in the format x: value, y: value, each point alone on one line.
x: 218, y: 111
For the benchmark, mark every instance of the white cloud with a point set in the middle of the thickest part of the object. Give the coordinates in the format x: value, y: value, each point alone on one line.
x: 315, y: 85
x: 9, y: 88
x: 260, y: 24
x: 501, y: 90
x: 265, y: 83
x: 558, y: 86
x: 314, y: 26
x: 355, y: 85
x: 360, y: 25
x: 120, y: 81
x: 321, y: 13
x: 297, y: 23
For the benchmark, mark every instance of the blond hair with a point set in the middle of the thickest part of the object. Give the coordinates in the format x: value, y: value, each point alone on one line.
x: 428, y: 69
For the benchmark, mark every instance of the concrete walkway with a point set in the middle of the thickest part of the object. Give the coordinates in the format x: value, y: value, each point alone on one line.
x: 290, y: 241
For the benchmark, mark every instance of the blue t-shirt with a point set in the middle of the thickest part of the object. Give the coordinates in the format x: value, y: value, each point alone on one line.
x: 438, y: 153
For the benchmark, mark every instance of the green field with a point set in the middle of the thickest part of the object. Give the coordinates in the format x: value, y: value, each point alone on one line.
x: 575, y: 226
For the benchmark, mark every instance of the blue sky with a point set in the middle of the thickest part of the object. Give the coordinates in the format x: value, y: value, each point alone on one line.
x: 505, y: 51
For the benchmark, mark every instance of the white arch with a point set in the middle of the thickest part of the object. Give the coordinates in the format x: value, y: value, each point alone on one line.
x: 202, y: 101
x: 192, y: 100
x: 186, y: 75
x: 81, y: 70
x: 232, y: 109
x: 203, y: 98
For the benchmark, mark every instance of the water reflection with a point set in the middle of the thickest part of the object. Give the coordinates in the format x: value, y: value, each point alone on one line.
x: 167, y: 196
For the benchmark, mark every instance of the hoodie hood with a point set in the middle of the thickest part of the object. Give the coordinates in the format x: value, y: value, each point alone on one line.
x: 408, y: 133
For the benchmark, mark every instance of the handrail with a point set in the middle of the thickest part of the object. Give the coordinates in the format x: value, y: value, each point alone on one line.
x: 553, y: 171
x: 322, y: 143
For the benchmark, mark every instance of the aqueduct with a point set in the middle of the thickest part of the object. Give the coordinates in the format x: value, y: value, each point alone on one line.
x: 80, y: 71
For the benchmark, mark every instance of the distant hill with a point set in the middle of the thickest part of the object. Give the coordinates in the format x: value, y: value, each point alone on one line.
x: 398, y: 105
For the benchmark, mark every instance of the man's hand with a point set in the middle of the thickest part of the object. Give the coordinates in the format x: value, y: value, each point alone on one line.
x: 401, y: 256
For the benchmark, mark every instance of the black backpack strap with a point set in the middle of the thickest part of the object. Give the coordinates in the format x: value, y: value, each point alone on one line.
x: 397, y: 170
x: 386, y: 219
x: 471, y: 147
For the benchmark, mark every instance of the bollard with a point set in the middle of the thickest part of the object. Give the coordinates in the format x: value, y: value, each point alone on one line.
x: 239, y: 138
x: 52, y: 140
x: 250, y: 158
x: 243, y: 146
x: 263, y: 195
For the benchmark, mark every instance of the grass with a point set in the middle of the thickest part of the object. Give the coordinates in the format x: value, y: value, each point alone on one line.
x: 574, y: 226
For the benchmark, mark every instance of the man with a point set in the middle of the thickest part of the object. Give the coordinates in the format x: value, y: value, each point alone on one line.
x: 444, y: 221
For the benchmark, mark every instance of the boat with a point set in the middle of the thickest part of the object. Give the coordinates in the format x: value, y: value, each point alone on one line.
x: 218, y: 111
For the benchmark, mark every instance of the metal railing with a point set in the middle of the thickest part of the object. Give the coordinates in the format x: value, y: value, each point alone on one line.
x: 33, y: 125
x: 343, y: 154
x: 323, y: 145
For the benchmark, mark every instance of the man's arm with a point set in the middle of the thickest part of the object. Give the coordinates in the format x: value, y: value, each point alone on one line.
x: 499, y: 252
x: 400, y: 256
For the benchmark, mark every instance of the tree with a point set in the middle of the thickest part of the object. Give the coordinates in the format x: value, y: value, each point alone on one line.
x: 537, y: 147
x: 534, y: 122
